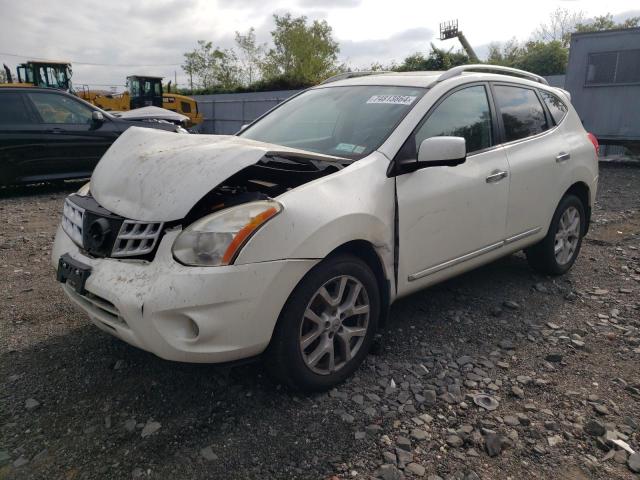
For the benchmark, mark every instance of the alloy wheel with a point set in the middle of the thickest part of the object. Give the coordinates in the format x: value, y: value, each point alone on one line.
x: 335, y: 324
x: 567, y: 236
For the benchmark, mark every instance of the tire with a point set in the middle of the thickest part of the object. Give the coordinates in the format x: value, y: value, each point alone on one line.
x: 309, y: 316
x: 542, y: 257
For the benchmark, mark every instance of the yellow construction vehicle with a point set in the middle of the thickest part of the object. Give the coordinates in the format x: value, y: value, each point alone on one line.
x: 143, y: 91
x: 38, y: 73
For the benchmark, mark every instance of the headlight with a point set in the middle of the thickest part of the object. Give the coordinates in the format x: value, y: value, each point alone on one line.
x: 217, y: 238
x: 84, y: 190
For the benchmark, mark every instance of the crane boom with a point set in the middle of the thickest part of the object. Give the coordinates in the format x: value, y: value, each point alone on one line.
x: 450, y: 30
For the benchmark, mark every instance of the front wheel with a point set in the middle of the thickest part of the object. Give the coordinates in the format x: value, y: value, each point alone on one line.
x: 327, y: 326
x: 556, y: 253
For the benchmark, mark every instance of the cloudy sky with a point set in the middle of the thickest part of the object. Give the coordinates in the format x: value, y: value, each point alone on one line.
x: 150, y: 36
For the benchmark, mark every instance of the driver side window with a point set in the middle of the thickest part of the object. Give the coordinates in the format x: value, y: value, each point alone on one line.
x: 54, y: 108
x: 464, y: 113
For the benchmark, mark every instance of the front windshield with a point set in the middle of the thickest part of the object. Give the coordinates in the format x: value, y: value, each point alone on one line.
x: 346, y: 122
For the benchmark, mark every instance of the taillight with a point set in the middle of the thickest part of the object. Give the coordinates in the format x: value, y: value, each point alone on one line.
x: 594, y: 141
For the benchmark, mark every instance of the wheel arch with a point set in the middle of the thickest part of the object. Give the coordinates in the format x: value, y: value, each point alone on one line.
x: 582, y: 191
x: 366, y: 252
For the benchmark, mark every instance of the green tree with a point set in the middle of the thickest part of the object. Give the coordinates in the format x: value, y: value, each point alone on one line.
x: 302, y: 53
x: 543, y: 58
x: 211, y: 67
x: 251, y: 56
x: 606, y: 22
x: 438, y: 59
x: 506, y: 54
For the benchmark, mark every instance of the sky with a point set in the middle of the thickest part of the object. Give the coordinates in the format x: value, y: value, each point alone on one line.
x: 150, y: 36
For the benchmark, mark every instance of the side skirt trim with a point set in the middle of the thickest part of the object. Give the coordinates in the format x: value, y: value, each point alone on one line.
x: 471, y: 255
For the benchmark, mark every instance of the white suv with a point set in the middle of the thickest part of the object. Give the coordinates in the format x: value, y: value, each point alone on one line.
x: 291, y: 239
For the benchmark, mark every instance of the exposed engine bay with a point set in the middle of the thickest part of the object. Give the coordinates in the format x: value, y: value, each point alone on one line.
x: 272, y: 175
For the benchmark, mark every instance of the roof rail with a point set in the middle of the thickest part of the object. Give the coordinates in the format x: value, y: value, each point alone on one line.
x: 455, y: 71
x: 346, y: 75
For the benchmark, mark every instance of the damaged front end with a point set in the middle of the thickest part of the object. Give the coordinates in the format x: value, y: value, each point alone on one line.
x: 149, y: 183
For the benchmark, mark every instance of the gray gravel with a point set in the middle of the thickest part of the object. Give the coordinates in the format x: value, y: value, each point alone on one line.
x: 555, y: 360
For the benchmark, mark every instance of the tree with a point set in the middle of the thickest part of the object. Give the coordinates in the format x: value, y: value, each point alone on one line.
x: 543, y: 58
x: 562, y: 23
x: 212, y: 67
x: 606, y: 22
x: 506, y: 54
x: 251, y: 56
x: 302, y: 53
x: 548, y: 58
x: 438, y: 59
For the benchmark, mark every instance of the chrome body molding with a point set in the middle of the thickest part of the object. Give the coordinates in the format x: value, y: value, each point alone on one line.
x: 471, y: 255
x: 522, y: 235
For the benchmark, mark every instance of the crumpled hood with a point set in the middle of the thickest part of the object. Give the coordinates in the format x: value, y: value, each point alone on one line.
x: 153, y: 175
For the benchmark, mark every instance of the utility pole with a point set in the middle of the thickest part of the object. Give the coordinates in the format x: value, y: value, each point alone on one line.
x: 450, y: 30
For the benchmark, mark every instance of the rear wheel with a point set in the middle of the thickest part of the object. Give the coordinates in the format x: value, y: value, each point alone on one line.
x: 327, y: 326
x: 557, y: 252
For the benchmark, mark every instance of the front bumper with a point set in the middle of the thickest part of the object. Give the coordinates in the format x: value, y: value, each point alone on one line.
x: 188, y: 314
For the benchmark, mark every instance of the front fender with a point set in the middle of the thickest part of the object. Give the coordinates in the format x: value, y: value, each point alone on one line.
x: 356, y: 203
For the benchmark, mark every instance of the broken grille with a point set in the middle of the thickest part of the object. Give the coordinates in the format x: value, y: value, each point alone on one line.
x: 136, y: 238
x: 72, y: 217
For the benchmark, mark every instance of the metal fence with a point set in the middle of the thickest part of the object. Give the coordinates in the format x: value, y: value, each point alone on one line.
x: 225, y: 114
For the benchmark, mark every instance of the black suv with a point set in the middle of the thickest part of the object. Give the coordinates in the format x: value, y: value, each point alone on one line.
x: 48, y: 134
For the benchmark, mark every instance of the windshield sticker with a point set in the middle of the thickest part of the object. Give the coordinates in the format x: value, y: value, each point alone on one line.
x: 345, y: 147
x: 392, y: 99
x: 359, y: 149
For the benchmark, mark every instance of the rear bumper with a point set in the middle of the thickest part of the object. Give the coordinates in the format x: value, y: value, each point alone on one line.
x: 189, y: 314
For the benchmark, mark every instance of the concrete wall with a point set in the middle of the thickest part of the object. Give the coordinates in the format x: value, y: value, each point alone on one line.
x: 225, y: 113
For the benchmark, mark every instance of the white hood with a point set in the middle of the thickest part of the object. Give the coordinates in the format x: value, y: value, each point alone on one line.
x: 151, y: 113
x: 154, y: 175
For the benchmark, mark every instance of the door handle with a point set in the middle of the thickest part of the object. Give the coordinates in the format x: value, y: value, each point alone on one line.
x: 55, y: 130
x: 563, y: 157
x: 496, y: 176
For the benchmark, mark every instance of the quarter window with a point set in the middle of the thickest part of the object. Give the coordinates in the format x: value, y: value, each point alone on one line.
x: 55, y: 108
x: 521, y: 111
x: 556, y: 106
x: 464, y: 113
x: 13, y: 111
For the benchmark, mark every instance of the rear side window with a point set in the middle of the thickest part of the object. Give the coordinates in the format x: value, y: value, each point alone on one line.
x: 464, y: 113
x: 13, y: 110
x: 556, y: 106
x: 521, y: 111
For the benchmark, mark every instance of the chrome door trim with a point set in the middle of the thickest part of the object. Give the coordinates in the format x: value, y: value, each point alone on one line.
x: 522, y: 235
x: 455, y: 261
x: 471, y: 255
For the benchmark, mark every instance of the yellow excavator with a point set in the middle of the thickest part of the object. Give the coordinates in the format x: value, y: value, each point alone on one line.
x: 143, y: 91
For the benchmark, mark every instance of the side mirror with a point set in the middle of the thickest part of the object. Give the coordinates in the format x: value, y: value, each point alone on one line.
x: 442, y: 151
x: 243, y: 127
x: 97, y: 118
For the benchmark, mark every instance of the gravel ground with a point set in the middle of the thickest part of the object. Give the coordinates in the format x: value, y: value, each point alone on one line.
x: 558, y: 360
